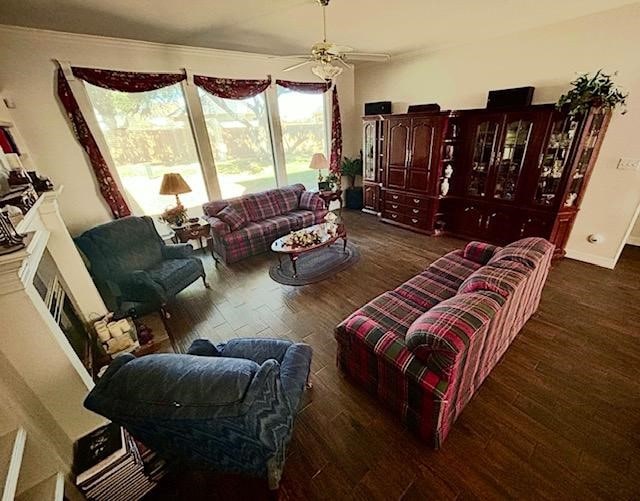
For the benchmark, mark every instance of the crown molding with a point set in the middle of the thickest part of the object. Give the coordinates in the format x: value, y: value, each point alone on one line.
x: 129, y: 43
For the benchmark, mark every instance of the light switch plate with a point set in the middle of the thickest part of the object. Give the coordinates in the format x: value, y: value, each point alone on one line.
x: 629, y: 164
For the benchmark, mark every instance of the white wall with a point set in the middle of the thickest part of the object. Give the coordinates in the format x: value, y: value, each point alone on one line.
x: 547, y: 58
x: 27, y: 78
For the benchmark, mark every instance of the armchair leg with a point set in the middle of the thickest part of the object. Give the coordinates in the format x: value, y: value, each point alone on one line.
x: 204, y: 281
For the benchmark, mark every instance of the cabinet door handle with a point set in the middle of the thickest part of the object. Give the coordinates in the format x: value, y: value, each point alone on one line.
x: 395, y: 197
x: 394, y: 206
x: 416, y: 211
x: 394, y: 216
x: 416, y: 200
x: 414, y: 221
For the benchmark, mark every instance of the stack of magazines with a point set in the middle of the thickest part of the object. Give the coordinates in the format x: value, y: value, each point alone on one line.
x: 111, y: 467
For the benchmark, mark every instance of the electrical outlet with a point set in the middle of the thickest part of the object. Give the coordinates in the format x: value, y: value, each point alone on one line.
x: 629, y: 164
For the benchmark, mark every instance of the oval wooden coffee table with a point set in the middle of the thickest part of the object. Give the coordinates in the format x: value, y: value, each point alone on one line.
x: 281, y: 247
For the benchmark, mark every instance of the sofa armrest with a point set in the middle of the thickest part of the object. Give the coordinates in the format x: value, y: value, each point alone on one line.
x: 177, y: 251
x: 257, y: 349
x: 294, y: 372
x: 218, y: 227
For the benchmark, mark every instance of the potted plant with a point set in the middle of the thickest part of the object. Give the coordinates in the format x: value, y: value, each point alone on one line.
x: 352, y: 168
x: 597, y: 91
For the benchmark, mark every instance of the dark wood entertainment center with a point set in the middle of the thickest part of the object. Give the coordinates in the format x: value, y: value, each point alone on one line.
x: 516, y: 172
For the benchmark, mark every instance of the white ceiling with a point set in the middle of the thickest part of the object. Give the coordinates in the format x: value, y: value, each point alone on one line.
x: 291, y: 26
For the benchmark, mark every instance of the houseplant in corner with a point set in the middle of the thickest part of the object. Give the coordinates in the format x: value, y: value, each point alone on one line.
x: 592, y: 91
x: 352, y: 168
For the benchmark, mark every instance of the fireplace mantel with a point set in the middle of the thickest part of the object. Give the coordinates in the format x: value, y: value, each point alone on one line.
x: 31, y: 341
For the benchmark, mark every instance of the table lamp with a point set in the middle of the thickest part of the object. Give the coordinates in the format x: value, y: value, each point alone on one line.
x: 174, y: 184
x: 319, y: 162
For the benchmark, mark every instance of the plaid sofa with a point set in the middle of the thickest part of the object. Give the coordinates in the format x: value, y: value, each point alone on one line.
x: 424, y: 348
x: 267, y: 216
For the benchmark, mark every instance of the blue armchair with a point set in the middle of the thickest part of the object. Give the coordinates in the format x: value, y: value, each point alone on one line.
x: 131, y: 264
x: 229, y: 407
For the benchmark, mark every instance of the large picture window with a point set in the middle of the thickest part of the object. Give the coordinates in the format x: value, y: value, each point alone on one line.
x: 148, y: 134
x: 304, y: 132
x: 241, y: 142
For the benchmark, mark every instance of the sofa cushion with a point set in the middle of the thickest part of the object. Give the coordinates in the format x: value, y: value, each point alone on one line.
x: 262, y: 205
x: 252, y: 239
x: 480, y: 252
x: 311, y: 201
x: 289, y: 198
x: 501, y: 279
x: 453, y: 267
x: 281, y: 224
x: 233, y: 217
x: 427, y: 289
x: 528, y: 251
x: 391, y: 311
x: 174, y: 272
x: 303, y: 218
x: 444, y: 332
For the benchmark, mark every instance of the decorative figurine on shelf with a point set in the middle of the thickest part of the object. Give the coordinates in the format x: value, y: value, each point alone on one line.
x: 174, y: 184
x: 444, y: 186
x: 10, y: 239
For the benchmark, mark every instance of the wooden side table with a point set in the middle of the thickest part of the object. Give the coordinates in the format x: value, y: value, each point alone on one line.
x: 330, y: 196
x: 194, y: 231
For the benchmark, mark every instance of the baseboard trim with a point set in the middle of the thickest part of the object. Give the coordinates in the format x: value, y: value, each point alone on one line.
x: 633, y: 241
x: 605, y: 262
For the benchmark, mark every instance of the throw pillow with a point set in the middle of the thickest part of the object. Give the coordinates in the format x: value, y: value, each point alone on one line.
x: 502, y: 279
x: 310, y: 200
x: 232, y: 217
x: 480, y: 252
x: 438, y: 336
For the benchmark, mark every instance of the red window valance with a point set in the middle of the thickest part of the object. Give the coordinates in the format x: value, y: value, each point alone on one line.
x: 229, y: 88
x: 107, y: 185
x: 310, y: 87
x: 127, y: 81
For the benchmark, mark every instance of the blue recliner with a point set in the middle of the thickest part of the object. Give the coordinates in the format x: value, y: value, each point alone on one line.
x: 133, y: 267
x: 229, y: 407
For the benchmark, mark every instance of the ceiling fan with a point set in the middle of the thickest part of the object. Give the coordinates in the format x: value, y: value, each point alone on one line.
x: 325, y: 54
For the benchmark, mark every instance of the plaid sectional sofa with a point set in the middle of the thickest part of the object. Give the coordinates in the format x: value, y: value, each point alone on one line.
x: 247, y: 225
x: 424, y: 348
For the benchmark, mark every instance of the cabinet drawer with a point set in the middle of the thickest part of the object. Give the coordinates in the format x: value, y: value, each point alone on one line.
x: 419, y: 222
x: 416, y: 212
x: 416, y: 201
x: 395, y: 207
x: 395, y: 197
x: 393, y: 216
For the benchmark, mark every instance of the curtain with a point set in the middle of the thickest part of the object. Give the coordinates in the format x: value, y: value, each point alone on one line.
x: 335, y: 163
x: 229, y: 88
x: 127, y: 81
x: 107, y: 185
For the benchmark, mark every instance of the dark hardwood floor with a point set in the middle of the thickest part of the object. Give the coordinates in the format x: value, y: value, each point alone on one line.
x: 559, y: 417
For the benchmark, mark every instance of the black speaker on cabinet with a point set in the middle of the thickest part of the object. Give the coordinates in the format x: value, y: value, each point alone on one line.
x: 379, y: 108
x: 505, y: 98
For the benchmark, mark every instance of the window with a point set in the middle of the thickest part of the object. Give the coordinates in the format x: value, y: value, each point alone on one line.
x: 241, y: 142
x: 304, y: 132
x: 148, y: 134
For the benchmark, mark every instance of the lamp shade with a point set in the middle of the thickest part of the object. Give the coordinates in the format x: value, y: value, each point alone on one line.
x: 318, y: 161
x: 173, y: 184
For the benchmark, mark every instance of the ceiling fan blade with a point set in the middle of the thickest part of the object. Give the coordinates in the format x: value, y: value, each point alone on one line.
x: 368, y: 56
x: 339, y: 49
x: 295, y: 66
x: 291, y: 56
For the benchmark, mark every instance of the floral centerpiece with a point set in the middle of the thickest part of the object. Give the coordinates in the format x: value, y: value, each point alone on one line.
x: 303, y: 238
x: 175, y: 216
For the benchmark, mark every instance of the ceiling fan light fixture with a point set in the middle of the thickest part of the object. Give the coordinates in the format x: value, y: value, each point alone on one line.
x: 326, y: 71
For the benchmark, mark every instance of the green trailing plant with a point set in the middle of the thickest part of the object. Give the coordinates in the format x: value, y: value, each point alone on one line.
x: 593, y: 91
x: 350, y: 168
